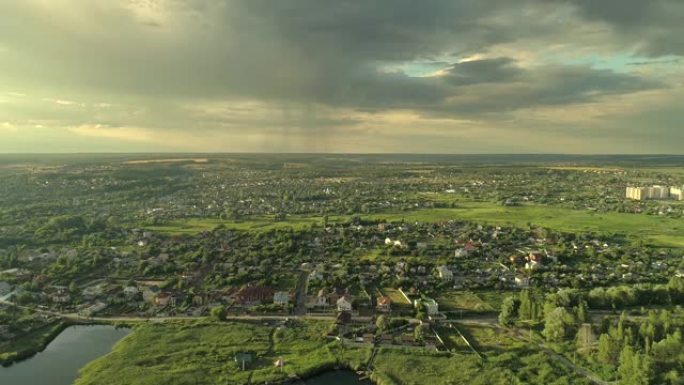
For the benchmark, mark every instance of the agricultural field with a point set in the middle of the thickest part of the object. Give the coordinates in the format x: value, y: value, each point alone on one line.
x: 463, y: 300
x: 652, y: 230
x: 396, y: 297
x: 488, y: 340
x: 453, y: 340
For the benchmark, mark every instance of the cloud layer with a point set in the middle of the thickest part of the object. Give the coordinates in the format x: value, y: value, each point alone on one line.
x: 448, y: 76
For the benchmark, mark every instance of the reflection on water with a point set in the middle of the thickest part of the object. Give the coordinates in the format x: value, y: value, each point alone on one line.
x: 342, y: 377
x: 59, y: 363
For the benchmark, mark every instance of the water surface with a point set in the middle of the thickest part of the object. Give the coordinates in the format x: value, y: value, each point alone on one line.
x: 341, y: 377
x: 59, y: 363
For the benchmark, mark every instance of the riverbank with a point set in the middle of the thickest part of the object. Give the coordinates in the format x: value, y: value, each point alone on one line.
x: 205, y: 352
x: 32, y: 343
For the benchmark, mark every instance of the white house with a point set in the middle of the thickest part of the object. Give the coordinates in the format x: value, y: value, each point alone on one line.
x: 344, y: 303
x: 431, y: 306
x: 316, y: 275
x: 5, y: 288
x: 322, y: 298
x: 445, y: 274
x: 130, y: 291
x: 281, y: 298
x: 149, y: 293
x: 522, y: 281
x: 94, y: 291
x: 91, y: 310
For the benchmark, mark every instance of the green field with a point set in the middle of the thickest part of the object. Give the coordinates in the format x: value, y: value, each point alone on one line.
x: 656, y: 231
x: 488, y: 339
x: 397, y: 298
x: 189, y: 353
x: 453, y: 340
x: 463, y: 300
x: 652, y: 230
x: 519, y: 366
x: 197, y: 225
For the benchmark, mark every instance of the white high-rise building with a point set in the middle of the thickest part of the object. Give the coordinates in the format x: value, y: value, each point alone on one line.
x: 654, y: 192
x: 660, y: 192
x: 676, y: 193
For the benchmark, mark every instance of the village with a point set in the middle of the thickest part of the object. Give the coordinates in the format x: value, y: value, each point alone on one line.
x: 385, y: 260
x: 394, y: 268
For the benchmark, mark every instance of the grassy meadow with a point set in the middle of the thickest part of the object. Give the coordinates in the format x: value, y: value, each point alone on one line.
x: 652, y: 230
x: 188, y: 353
x: 203, y: 353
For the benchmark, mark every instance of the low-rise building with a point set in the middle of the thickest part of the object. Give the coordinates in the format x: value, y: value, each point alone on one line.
x: 92, y: 310
x: 445, y: 274
x: 344, y: 303
x: 130, y: 291
x: 5, y: 288
x: 384, y: 303
x: 165, y: 299
x: 281, y: 298
x: 430, y: 305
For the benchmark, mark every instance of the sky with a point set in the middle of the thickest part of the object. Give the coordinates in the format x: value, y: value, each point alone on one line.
x: 353, y: 76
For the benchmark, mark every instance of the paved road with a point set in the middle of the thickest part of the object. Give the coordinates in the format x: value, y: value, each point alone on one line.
x: 247, y: 317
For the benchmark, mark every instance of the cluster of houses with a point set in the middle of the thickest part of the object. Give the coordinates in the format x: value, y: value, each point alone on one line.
x: 430, y: 256
x: 337, y: 298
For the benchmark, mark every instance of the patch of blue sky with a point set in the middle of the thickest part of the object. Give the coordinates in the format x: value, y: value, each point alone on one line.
x: 623, y: 62
x: 416, y: 68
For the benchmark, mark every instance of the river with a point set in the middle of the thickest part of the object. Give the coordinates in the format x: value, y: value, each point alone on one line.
x: 59, y: 363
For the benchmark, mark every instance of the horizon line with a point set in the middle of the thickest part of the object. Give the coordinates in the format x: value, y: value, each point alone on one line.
x: 337, y: 153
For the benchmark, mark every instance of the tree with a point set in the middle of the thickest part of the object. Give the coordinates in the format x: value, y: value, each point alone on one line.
x: 582, y: 312
x: 525, y: 305
x: 635, y: 368
x: 419, y: 333
x: 218, y: 313
x: 507, y: 311
x: 608, y: 349
x: 73, y: 288
x: 554, y: 325
x: 382, y: 323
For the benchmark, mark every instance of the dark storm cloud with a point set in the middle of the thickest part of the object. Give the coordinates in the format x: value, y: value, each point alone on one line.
x: 325, y: 65
x: 505, y: 87
x: 483, y: 71
x: 304, y: 50
x: 656, y: 27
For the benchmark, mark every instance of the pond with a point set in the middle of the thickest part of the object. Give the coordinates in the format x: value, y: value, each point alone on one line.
x: 341, y: 377
x: 59, y: 363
